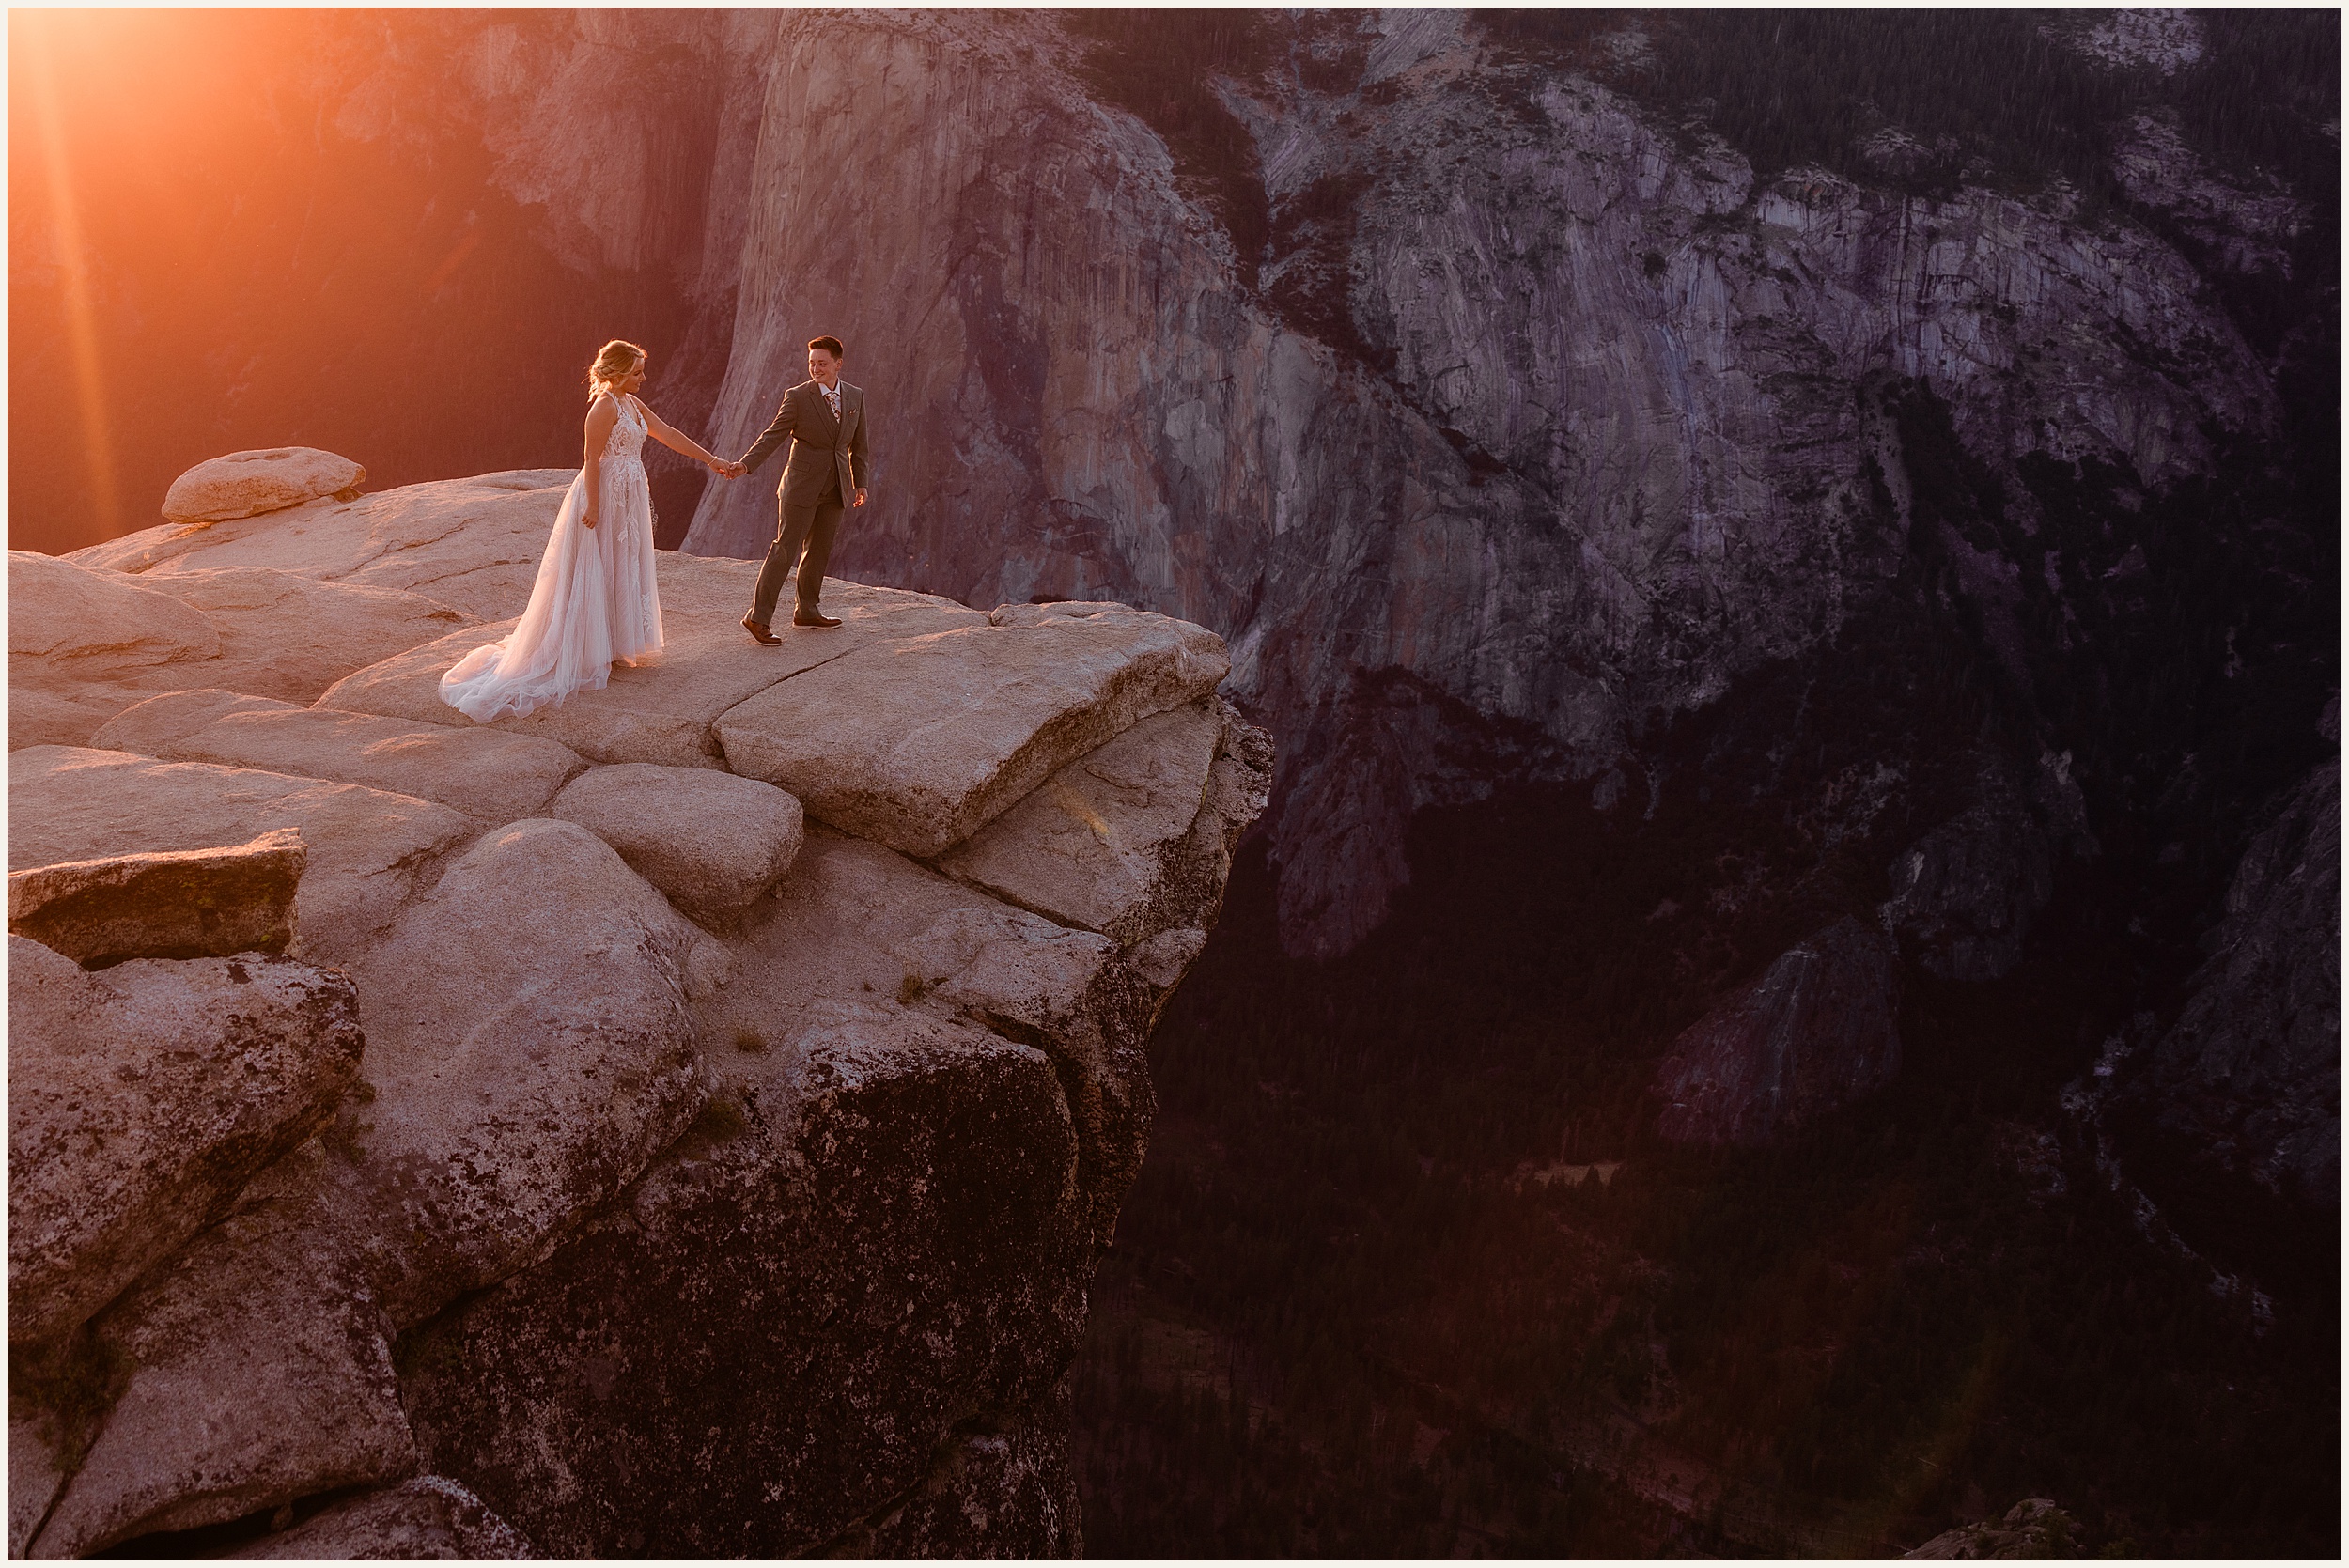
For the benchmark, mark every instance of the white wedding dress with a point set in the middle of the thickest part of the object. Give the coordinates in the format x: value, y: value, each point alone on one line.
x: 594, y: 599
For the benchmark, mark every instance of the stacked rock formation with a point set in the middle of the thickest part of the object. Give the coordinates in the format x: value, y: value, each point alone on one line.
x: 682, y: 1121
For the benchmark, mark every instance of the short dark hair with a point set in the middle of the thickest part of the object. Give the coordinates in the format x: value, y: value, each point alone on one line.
x: 829, y: 343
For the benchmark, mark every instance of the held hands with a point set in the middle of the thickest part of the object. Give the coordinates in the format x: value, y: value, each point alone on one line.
x: 727, y: 470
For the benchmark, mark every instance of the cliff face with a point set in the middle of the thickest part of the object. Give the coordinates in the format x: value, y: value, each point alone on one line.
x: 1534, y: 424
x: 614, y: 1152
x: 1510, y: 430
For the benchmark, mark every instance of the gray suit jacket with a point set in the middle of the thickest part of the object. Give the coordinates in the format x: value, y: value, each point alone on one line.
x: 822, y: 448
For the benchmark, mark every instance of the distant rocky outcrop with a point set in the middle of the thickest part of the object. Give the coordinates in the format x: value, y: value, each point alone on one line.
x: 753, y: 1056
x: 245, y: 484
x: 1816, y: 1030
x: 2034, y: 1528
x: 1963, y: 895
x: 2250, y: 1071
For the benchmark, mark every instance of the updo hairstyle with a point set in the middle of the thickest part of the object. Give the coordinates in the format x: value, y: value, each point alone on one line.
x: 617, y: 359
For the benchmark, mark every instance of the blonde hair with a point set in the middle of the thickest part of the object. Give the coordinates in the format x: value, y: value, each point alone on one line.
x: 613, y: 361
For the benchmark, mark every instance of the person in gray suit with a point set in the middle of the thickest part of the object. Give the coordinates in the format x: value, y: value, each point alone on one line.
x: 823, y: 417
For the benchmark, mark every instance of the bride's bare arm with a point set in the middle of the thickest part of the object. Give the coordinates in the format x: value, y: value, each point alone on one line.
x: 601, y: 415
x: 675, y: 440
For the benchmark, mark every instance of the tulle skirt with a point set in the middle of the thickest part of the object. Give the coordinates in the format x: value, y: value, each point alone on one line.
x: 595, y: 601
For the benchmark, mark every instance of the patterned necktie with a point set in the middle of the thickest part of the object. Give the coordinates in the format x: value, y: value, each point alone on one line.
x: 832, y: 396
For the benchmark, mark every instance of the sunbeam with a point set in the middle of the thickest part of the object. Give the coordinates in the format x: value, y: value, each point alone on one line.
x: 81, y: 305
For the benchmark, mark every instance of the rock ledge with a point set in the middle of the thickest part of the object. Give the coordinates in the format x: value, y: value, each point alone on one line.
x: 753, y: 1067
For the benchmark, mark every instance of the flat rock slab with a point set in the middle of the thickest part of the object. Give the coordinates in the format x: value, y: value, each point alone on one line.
x: 1087, y: 847
x: 487, y: 775
x: 39, y: 717
x: 88, y: 642
x: 72, y: 803
x: 918, y: 742
x: 710, y: 841
x: 471, y: 544
x: 58, y: 609
x: 830, y: 933
x: 429, y: 1519
x: 856, y: 924
x: 143, y: 1099
x: 245, y: 483
x: 152, y: 724
x: 173, y: 903
x: 662, y: 712
x: 285, y: 634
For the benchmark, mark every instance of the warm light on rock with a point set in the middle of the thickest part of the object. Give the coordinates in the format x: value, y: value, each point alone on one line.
x: 246, y: 484
x: 826, y: 1170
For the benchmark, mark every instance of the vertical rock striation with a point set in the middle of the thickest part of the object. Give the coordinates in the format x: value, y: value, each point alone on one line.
x: 1535, y: 422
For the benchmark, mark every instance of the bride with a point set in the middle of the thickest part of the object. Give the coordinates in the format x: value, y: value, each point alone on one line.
x: 595, y: 600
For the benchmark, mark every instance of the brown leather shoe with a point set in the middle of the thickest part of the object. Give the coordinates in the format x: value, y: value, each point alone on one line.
x: 819, y: 619
x: 759, y: 632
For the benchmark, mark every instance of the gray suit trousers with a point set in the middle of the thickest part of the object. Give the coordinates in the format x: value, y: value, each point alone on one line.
x: 798, y: 528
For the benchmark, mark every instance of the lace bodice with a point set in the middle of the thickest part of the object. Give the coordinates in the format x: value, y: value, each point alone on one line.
x: 626, y: 439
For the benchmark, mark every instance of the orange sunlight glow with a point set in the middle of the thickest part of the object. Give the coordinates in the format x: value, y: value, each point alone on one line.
x: 211, y: 251
x: 81, y: 307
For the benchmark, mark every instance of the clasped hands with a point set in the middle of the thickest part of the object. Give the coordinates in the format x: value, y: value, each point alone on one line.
x: 736, y: 471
